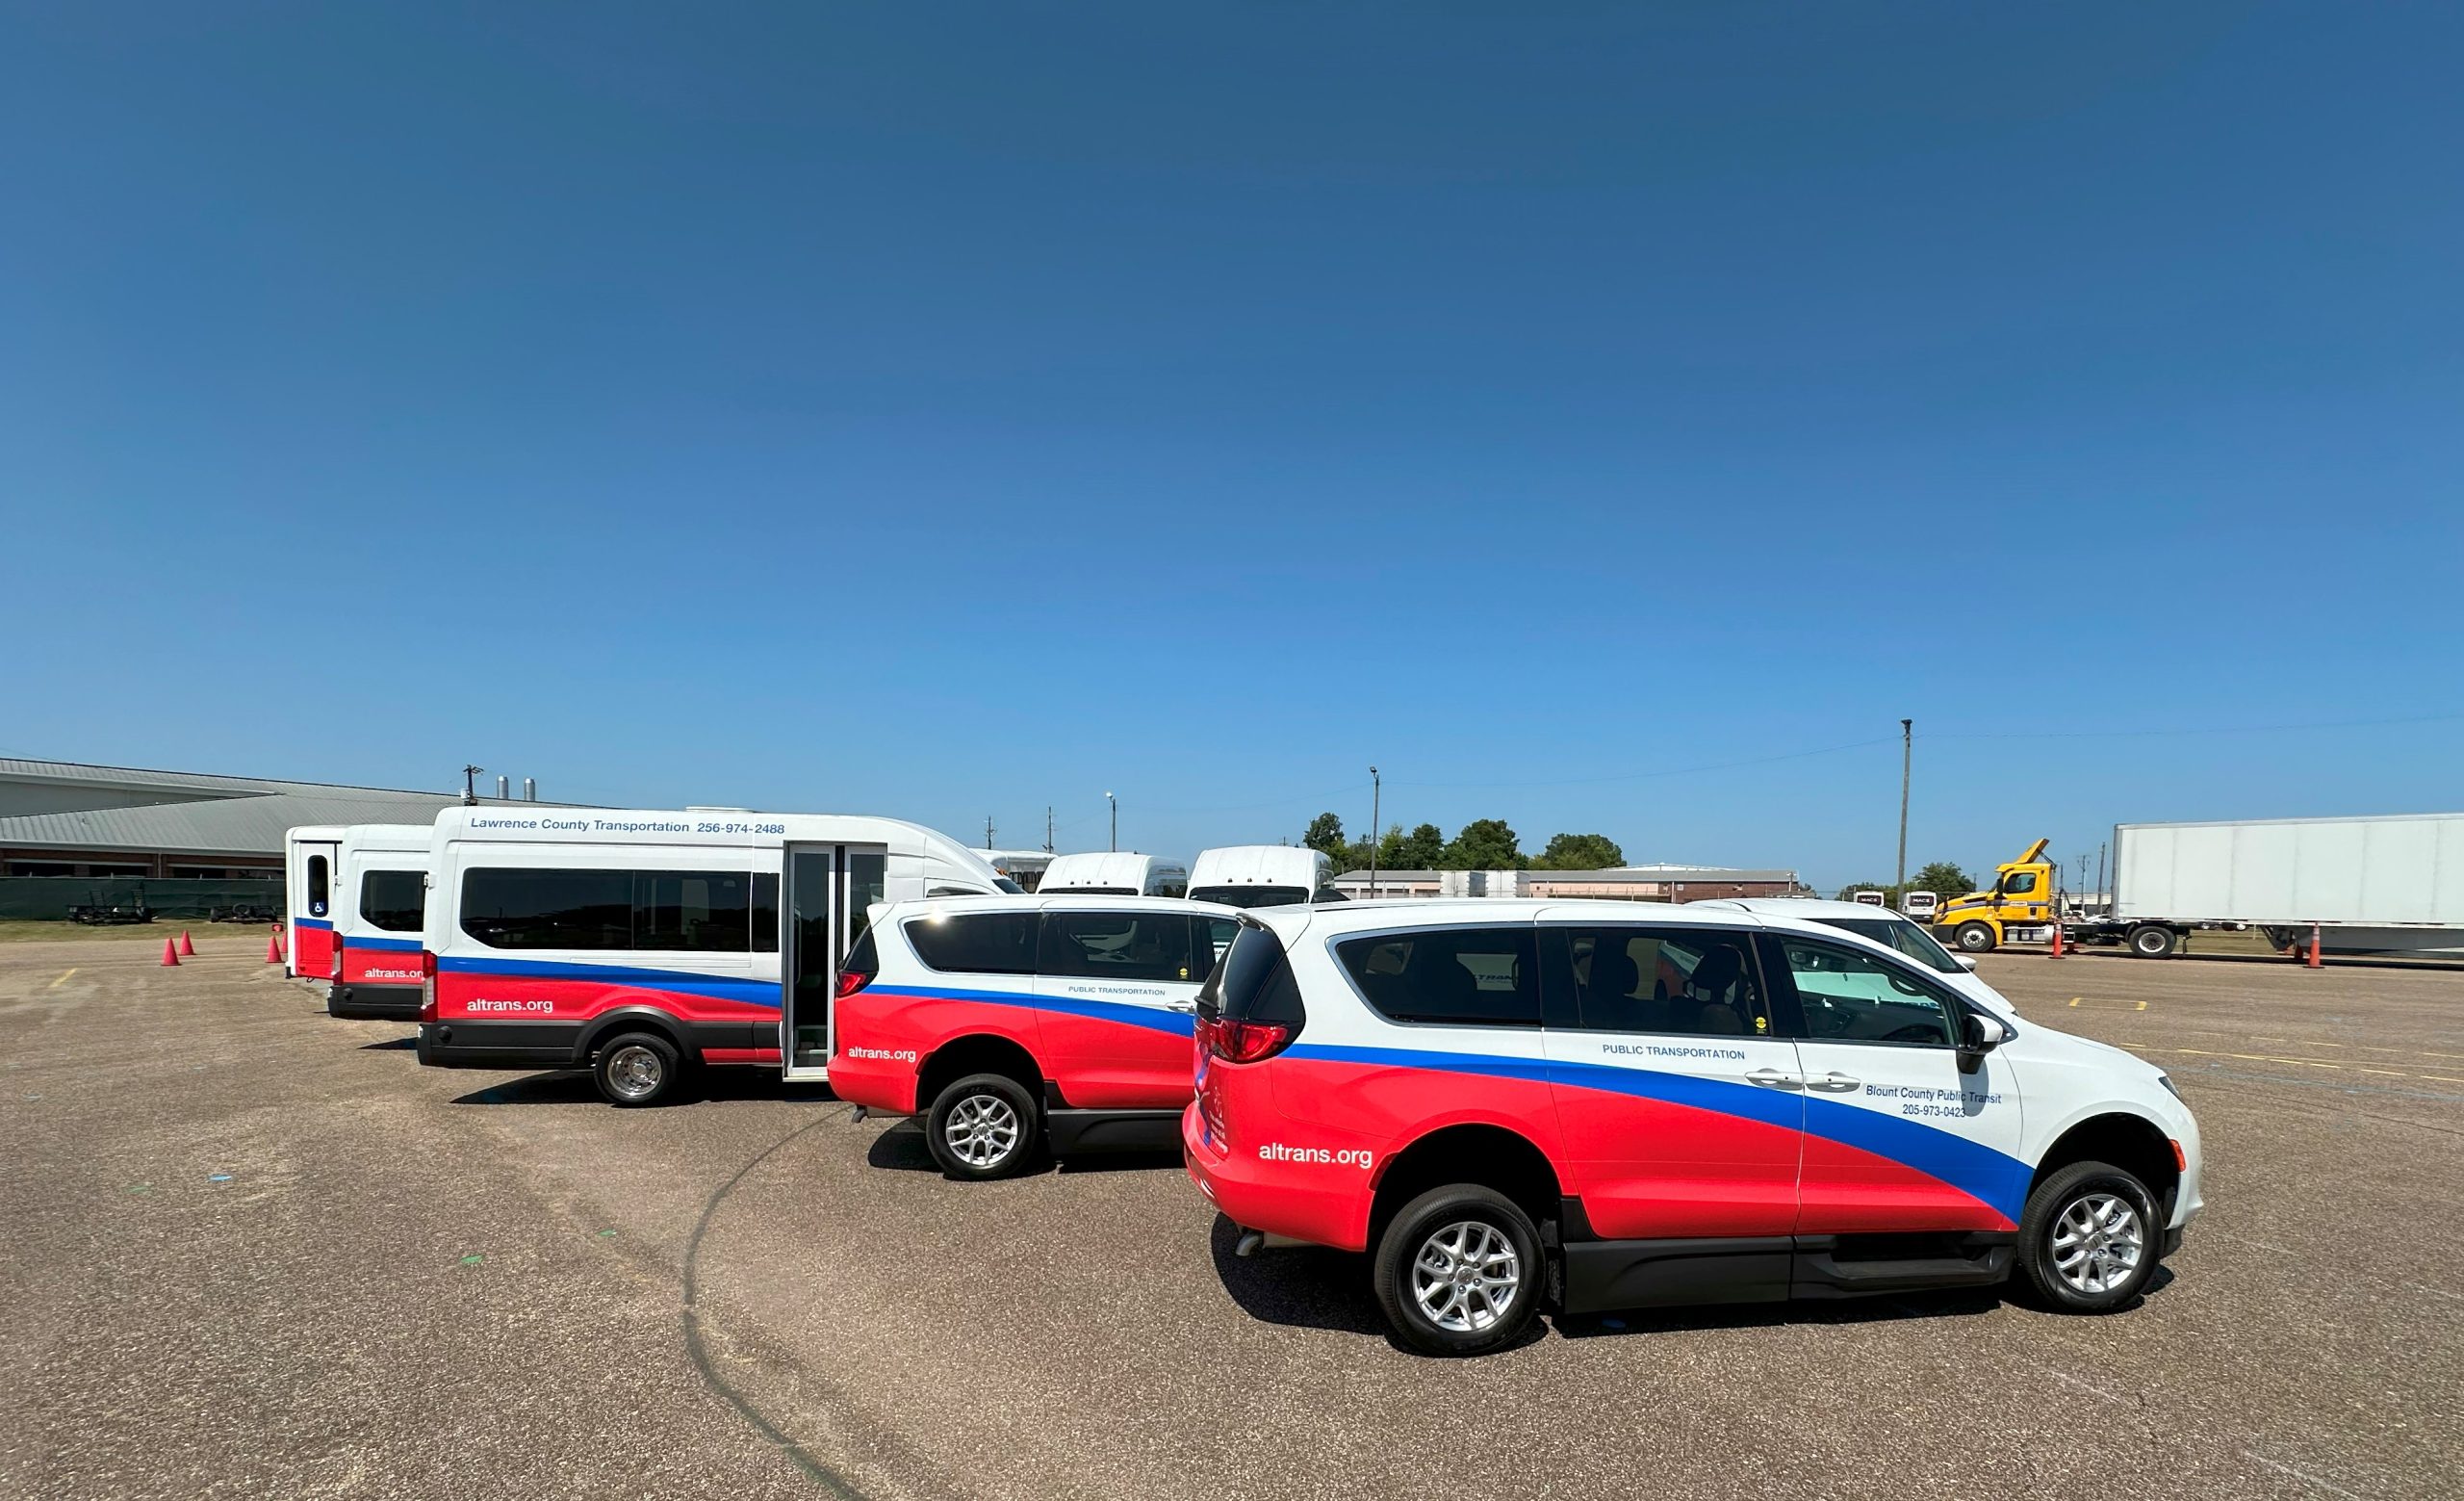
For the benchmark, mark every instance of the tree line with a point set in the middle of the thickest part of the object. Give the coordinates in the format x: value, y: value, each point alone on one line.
x: 1942, y: 878
x: 1482, y: 845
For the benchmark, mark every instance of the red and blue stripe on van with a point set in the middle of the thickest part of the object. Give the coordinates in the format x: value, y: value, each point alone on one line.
x: 1103, y: 1055
x: 376, y: 960
x: 492, y: 988
x: 1651, y: 1154
x: 312, y: 949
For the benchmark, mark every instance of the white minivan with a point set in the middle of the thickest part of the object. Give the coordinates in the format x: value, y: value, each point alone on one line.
x: 1606, y: 1106
x: 1117, y: 873
x: 1263, y: 875
x: 1885, y: 927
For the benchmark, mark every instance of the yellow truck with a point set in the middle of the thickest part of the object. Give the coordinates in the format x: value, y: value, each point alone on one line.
x: 2018, y: 908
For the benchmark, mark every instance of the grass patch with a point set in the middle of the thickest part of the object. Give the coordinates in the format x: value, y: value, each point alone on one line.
x: 16, y: 930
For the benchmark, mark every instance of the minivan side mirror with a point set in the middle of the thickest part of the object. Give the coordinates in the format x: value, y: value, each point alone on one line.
x: 1979, y: 1035
x: 1966, y: 962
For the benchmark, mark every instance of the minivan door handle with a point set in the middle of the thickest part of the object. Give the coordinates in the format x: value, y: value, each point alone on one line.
x: 1835, y: 1083
x: 1186, y: 1008
x: 1772, y: 1078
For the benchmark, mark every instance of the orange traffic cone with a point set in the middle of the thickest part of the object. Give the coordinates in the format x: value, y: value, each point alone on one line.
x: 273, y: 950
x: 170, y: 954
x: 188, y: 950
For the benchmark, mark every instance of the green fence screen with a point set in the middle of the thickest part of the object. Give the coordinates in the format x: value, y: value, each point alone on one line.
x: 53, y: 897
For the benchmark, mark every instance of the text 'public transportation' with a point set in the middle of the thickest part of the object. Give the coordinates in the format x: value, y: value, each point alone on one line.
x: 1262, y: 875
x: 1120, y: 874
x: 640, y: 943
x: 1609, y: 1106
x: 378, y: 910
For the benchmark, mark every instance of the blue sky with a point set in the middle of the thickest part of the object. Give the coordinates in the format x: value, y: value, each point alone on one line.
x: 1603, y: 418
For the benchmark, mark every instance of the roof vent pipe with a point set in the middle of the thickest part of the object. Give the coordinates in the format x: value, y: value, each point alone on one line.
x: 502, y: 795
x: 529, y: 790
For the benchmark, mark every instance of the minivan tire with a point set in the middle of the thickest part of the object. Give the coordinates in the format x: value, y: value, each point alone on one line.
x: 985, y: 1125
x: 1470, y: 1236
x: 636, y: 1069
x: 2075, y: 1223
x: 1974, y: 938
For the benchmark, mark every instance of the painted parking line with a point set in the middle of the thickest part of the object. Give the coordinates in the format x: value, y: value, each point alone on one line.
x: 2306, y: 1063
x: 63, y: 980
x: 2401, y: 1052
x: 2081, y: 1002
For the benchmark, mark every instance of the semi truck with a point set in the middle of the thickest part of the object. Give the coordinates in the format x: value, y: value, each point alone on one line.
x: 2369, y: 886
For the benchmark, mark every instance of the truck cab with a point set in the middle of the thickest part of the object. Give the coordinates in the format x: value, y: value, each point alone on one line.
x: 2019, y: 907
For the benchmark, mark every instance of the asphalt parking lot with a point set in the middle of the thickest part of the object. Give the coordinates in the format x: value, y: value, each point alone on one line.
x: 258, y: 1252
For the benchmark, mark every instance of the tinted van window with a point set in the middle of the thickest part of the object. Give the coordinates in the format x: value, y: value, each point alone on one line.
x: 1447, y: 976
x: 391, y: 901
x: 669, y: 910
x: 976, y: 943
x: 1249, y: 895
x: 316, y: 889
x: 1116, y: 945
x: 1690, y: 982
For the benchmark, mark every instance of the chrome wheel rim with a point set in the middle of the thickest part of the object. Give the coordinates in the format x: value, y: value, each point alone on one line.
x: 982, y: 1129
x: 634, y: 1072
x: 2098, y: 1243
x: 1466, y: 1277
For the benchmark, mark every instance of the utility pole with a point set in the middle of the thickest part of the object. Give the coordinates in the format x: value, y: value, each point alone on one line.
x: 988, y: 831
x: 1116, y: 802
x: 1907, y: 742
x: 471, y: 786
x: 2100, y: 869
x: 1376, y: 788
x: 1047, y: 828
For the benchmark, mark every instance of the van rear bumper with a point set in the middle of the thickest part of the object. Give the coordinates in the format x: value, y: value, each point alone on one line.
x: 364, y: 1002
x: 501, y: 1044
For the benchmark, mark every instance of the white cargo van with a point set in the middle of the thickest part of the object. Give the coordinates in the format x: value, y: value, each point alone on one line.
x: 1262, y: 875
x: 1116, y: 875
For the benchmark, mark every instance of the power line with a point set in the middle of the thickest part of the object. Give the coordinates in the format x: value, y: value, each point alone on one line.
x: 2220, y: 728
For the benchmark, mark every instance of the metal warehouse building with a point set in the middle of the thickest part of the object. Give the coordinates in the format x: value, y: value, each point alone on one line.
x: 63, y: 818
x: 1632, y: 883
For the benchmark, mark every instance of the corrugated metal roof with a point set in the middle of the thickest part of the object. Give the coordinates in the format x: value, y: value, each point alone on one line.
x: 202, y: 813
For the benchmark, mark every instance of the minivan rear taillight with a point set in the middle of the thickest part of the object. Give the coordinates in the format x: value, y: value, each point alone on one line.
x: 1247, y: 1041
x: 427, y: 986
x: 850, y: 981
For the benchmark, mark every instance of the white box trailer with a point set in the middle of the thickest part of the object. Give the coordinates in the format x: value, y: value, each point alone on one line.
x: 2391, y: 885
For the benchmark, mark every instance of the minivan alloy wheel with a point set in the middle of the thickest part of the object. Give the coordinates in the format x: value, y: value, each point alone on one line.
x: 2098, y: 1242
x: 1466, y: 1276
x: 982, y: 1129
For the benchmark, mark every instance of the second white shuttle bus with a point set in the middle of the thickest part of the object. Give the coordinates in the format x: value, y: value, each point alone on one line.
x: 1263, y: 875
x: 379, y: 911
x: 640, y: 943
x: 1117, y: 875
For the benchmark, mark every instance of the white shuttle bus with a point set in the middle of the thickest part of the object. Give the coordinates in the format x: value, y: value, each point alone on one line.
x: 639, y: 944
x: 378, y: 909
x: 1121, y: 874
x: 310, y: 855
x: 1263, y: 875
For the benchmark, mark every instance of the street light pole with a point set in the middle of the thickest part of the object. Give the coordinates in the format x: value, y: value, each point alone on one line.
x: 1115, y: 839
x: 1907, y: 742
x: 1376, y: 788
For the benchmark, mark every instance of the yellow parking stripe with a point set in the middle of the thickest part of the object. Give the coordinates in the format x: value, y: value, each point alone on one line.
x: 2306, y: 1063
x: 2118, y: 1005
x: 56, y: 984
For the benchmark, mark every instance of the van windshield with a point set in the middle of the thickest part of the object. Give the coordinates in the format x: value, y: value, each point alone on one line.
x: 1906, y: 936
x: 1250, y: 895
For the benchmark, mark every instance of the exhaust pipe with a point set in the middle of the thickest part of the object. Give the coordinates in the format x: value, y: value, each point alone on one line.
x: 1248, y: 1244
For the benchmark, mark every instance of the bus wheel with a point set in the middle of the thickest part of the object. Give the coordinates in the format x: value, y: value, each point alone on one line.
x: 636, y: 1069
x: 1974, y: 938
x: 985, y: 1125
